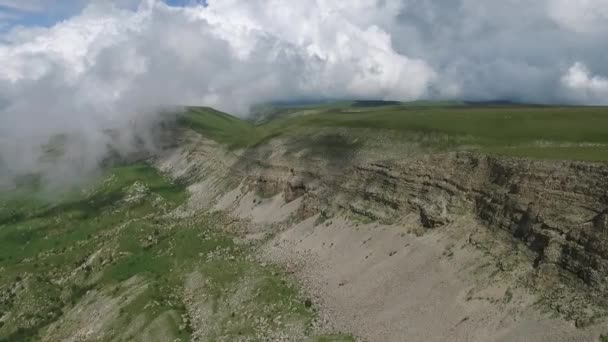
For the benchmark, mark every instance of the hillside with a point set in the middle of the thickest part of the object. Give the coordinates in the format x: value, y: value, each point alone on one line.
x: 552, y: 132
x: 343, y: 221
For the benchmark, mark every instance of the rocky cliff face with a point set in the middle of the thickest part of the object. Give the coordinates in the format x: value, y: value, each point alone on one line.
x: 558, y: 209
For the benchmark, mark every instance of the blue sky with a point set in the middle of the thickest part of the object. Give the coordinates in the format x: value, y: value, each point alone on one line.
x: 48, y: 12
x: 178, y: 2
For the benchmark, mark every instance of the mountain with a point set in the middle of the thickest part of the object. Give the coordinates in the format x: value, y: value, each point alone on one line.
x: 439, y: 221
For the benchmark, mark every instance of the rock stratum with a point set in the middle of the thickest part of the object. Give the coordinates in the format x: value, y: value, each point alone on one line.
x: 287, y: 231
x: 405, y: 246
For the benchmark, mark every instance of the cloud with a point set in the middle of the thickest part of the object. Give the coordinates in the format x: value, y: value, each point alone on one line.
x: 23, y: 5
x: 585, y: 16
x: 112, y: 66
x: 586, y: 87
x: 511, y: 49
x: 211, y: 50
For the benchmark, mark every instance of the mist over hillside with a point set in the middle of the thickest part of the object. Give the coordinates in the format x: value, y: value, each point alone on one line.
x: 303, y: 170
x: 114, y: 63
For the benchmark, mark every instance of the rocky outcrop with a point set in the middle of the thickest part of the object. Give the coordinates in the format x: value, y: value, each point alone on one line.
x: 559, y: 209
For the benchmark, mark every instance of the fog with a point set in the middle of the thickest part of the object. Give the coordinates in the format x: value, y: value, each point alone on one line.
x: 115, y: 64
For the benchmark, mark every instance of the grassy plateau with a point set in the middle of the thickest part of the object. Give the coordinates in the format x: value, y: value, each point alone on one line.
x: 118, y: 259
x: 553, y: 132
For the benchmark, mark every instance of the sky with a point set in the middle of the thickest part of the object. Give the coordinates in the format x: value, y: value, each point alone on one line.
x: 36, y: 12
x: 82, y: 68
x: 49, y: 12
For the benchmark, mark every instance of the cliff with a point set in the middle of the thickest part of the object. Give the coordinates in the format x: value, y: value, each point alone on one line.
x: 542, y: 225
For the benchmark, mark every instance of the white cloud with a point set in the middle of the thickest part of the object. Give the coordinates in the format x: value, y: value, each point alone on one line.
x: 262, y: 40
x: 104, y: 67
x: 586, y: 87
x: 586, y: 16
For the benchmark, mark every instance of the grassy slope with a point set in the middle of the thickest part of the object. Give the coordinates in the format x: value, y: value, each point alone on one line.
x: 577, y: 133
x: 45, y: 248
x: 58, y: 260
x: 42, y: 243
x: 222, y: 127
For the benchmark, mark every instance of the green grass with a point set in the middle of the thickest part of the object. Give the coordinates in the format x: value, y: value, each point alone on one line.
x: 219, y: 126
x: 555, y: 132
x: 31, y: 225
x: 503, y: 125
x: 42, y: 240
x: 119, y: 225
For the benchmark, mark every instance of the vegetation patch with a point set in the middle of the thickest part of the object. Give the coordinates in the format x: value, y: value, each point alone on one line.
x: 553, y: 132
x: 114, y: 260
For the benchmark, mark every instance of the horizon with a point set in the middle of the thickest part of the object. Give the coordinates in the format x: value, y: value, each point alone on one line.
x: 85, y: 67
x: 303, y: 170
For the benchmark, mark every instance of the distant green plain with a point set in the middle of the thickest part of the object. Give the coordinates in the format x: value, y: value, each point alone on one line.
x: 553, y: 132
